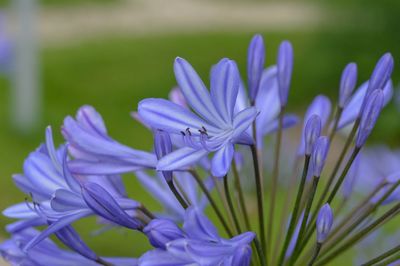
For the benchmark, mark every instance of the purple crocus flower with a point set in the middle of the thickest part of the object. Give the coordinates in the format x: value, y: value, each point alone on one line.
x: 285, y: 68
x: 201, y: 245
x: 94, y: 152
x: 48, y: 253
x: 320, y: 106
x: 255, y: 65
x: 216, y: 128
x: 347, y: 83
x: 324, y: 222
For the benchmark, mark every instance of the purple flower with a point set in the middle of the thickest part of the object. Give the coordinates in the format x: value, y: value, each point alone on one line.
x: 201, y: 245
x: 215, y: 127
x: 320, y: 106
x: 285, y: 68
x: 369, y: 116
x: 312, y: 132
x: 319, y: 154
x: 162, y: 147
x: 381, y: 74
x: 255, y: 65
x: 95, y: 152
x: 324, y: 222
x: 48, y: 253
x: 347, y: 84
x: 161, y: 231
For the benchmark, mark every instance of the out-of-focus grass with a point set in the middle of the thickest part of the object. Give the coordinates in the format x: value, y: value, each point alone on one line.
x: 113, y: 75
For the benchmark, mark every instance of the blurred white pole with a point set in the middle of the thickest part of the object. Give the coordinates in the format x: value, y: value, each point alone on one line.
x: 25, y: 93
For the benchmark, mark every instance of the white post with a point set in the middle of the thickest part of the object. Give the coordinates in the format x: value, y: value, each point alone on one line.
x: 25, y: 92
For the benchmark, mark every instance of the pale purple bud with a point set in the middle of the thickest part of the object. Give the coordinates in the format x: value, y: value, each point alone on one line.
x: 319, y: 154
x: 285, y: 68
x: 162, y: 147
x: 347, y: 83
x: 312, y: 132
x: 255, y: 64
x: 161, y: 231
x: 381, y: 74
x: 176, y: 96
x: 324, y: 222
x: 369, y: 116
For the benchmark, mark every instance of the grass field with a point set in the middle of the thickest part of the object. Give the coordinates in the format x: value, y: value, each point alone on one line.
x: 114, y: 74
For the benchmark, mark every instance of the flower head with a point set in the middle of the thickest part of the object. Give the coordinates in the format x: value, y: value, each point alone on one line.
x: 324, y: 222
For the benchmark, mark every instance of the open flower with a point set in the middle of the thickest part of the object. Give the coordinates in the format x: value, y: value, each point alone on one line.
x: 213, y: 128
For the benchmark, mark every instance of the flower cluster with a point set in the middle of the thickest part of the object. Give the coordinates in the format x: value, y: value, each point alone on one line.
x: 201, y: 139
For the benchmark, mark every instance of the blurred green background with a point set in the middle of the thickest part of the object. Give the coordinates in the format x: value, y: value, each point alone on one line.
x: 114, y: 70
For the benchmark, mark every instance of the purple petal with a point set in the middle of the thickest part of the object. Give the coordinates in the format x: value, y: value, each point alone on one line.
x: 195, y: 91
x: 243, y: 120
x: 180, y: 159
x: 222, y: 160
x: 285, y: 68
x: 255, y: 64
x: 165, y: 115
x: 197, y: 226
x: 224, y: 88
x: 347, y: 83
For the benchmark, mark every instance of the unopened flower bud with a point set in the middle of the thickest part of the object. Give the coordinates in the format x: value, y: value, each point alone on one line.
x: 255, y: 65
x: 369, y: 116
x: 312, y: 132
x: 285, y: 68
x: 319, y: 154
x: 324, y: 222
x: 162, y: 231
x: 162, y: 147
x: 347, y: 83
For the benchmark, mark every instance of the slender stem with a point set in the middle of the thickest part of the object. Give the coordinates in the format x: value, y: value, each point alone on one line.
x: 260, y: 251
x: 212, y: 202
x: 293, y: 220
x: 275, y: 175
x: 297, y: 249
x: 222, y: 198
x: 338, y: 114
x: 335, y: 170
x: 230, y: 204
x: 182, y: 191
x: 361, y: 234
x: 316, y: 252
x: 285, y: 211
x: 335, y: 241
x: 239, y: 190
x: 390, y: 260
x: 260, y: 201
x: 382, y: 256
x: 344, y: 173
x: 176, y: 193
x: 146, y: 211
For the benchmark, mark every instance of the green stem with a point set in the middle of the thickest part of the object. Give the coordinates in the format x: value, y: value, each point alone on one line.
x: 316, y: 252
x: 383, y: 256
x: 275, y: 175
x: 222, y: 198
x: 297, y: 249
x: 212, y: 202
x: 338, y: 114
x: 260, y: 201
x: 293, y: 220
x: 239, y: 190
x: 390, y: 260
x: 361, y: 234
x: 230, y: 204
x: 260, y: 251
x: 146, y: 212
x: 176, y: 193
